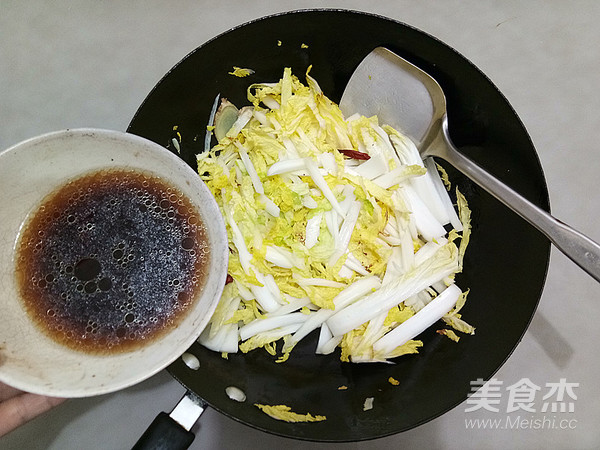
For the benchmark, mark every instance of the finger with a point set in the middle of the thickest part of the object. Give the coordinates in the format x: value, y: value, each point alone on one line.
x: 7, y: 392
x: 18, y: 410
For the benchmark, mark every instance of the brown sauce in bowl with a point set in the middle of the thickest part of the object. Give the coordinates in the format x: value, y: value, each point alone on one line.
x: 111, y: 260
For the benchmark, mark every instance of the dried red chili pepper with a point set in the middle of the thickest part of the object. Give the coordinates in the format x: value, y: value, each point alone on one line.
x: 355, y: 154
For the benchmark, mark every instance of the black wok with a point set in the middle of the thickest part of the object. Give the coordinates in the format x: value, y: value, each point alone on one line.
x: 506, y: 262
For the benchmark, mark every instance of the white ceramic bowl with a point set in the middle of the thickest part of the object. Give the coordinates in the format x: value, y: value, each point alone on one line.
x: 29, y: 171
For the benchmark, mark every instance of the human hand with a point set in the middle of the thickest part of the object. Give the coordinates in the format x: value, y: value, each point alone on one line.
x: 18, y: 407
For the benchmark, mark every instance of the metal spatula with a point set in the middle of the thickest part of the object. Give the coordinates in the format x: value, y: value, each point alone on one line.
x: 410, y: 100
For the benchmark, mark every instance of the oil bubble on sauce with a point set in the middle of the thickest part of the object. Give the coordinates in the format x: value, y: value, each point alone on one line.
x: 111, y: 260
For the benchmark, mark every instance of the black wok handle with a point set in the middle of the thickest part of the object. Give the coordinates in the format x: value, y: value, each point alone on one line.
x: 164, y: 433
x: 172, y: 431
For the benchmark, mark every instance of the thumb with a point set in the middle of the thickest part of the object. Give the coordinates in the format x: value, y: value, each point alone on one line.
x: 20, y: 409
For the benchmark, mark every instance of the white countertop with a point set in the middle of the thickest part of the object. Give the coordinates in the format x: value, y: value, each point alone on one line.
x: 67, y: 64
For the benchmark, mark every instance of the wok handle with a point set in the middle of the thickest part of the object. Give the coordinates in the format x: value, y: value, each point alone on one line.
x: 172, y: 431
x: 164, y: 433
x: 579, y: 248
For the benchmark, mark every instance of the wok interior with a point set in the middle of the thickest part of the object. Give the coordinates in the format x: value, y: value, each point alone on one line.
x: 506, y: 261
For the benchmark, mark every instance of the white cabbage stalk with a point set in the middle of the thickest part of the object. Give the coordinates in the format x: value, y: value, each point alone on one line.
x: 349, y: 295
x: 270, y: 206
x: 238, y: 240
x: 425, y: 187
x: 374, y: 331
x: 223, y: 338
x: 428, y: 251
x: 243, y: 118
x: 346, y: 272
x: 226, y: 339
x: 294, y: 304
x: 263, y: 295
x: 395, y: 292
x: 426, y: 223
x: 325, y: 336
x: 322, y: 185
x: 279, y: 256
x: 313, y: 229
x: 418, y: 323
x: 258, y: 187
x: 333, y: 226
x: 328, y: 347
x: 327, y: 160
x: 346, y: 231
x: 244, y: 291
x: 318, y: 282
x: 443, y: 195
x: 398, y: 175
x: 211, y: 123
x: 287, y: 165
x: 270, y: 102
x: 354, y: 264
x: 260, y: 326
x: 349, y: 198
x: 309, y: 202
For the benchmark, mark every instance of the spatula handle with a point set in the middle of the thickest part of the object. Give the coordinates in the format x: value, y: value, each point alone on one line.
x: 579, y: 248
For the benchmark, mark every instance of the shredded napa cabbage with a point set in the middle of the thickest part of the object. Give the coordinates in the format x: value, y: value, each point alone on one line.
x: 284, y: 413
x: 241, y: 72
x: 393, y: 381
x: 335, y: 224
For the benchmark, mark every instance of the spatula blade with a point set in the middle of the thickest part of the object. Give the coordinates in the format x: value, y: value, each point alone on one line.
x: 390, y: 87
